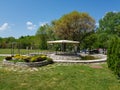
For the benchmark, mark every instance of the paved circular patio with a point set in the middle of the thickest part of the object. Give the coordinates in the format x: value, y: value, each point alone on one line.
x: 73, y: 59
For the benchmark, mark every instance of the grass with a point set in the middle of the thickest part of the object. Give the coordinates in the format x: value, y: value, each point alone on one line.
x: 21, y: 51
x: 8, y: 51
x: 58, y: 77
x: 1, y: 58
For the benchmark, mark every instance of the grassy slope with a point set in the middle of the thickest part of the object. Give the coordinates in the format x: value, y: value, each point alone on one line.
x: 59, y: 77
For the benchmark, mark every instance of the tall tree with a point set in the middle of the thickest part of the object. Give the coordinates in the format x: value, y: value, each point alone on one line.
x: 90, y: 41
x: 109, y: 26
x: 6, y: 42
x: 110, y: 23
x: 26, y: 41
x: 50, y: 32
x: 74, y: 26
x: 42, y: 37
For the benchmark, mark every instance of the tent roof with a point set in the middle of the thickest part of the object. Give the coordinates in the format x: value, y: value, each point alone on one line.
x: 63, y: 41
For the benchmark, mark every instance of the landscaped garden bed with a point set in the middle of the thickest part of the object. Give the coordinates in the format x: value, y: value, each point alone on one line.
x: 23, y: 60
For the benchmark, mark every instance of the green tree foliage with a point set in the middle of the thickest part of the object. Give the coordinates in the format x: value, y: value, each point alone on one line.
x: 50, y: 32
x: 90, y: 41
x: 42, y: 37
x: 6, y: 42
x: 74, y: 26
x: 110, y: 23
x: 113, y: 59
x: 103, y: 40
x: 26, y: 41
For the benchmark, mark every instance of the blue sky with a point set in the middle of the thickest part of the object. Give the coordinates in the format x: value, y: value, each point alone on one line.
x: 23, y: 17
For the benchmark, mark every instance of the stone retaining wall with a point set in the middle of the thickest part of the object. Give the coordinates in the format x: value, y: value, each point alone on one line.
x: 30, y: 64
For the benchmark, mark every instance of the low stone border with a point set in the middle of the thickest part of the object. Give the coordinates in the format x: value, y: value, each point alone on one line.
x: 101, y: 58
x: 30, y: 64
x: 81, y: 61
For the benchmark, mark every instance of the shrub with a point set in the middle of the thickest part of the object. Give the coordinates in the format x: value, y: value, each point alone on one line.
x: 8, y: 58
x: 17, y: 57
x: 43, y: 57
x: 88, y: 57
x: 33, y: 59
x: 49, y: 60
x: 21, y: 58
x: 27, y: 59
x: 39, y: 58
x: 113, y: 53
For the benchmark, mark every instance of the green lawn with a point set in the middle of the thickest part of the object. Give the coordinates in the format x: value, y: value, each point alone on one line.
x: 58, y: 77
x: 16, y: 51
x: 21, y: 51
x: 1, y: 58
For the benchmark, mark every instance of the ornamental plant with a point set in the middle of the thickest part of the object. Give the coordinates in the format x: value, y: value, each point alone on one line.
x: 113, y: 55
x: 22, y: 58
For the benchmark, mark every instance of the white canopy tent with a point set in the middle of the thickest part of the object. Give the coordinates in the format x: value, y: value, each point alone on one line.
x: 63, y: 42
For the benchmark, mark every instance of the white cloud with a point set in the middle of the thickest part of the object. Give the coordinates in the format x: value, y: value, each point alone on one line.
x: 97, y: 24
x: 30, y: 25
x: 4, y: 26
x: 43, y: 23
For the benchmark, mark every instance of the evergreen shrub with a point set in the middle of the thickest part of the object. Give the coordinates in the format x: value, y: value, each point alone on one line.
x: 113, y: 55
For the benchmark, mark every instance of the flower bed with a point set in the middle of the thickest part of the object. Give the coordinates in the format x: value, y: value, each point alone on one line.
x: 32, y: 61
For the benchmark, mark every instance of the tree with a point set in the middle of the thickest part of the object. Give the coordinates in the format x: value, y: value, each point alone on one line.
x: 74, y: 26
x: 6, y: 42
x: 26, y: 41
x: 113, y: 59
x: 110, y: 23
x: 90, y: 41
x: 103, y: 40
x: 42, y: 36
x: 109, y: 26
x: 50, y: 32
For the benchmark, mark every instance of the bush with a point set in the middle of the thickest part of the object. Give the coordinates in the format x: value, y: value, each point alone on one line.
x: 33, y: 59
x: 8, y: 58
x: 17, y: 57
x: 43, y: 57
x: 88, y: 57
x: 50, y: 60
x: 21, y: 58
x: 38, y: 58
x: 27, y: 59
x: 113, y: 53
